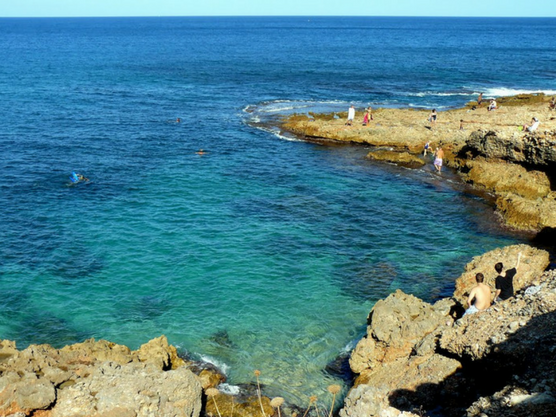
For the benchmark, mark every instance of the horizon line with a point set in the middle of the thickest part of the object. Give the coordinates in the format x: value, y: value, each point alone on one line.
x: 302, y: 16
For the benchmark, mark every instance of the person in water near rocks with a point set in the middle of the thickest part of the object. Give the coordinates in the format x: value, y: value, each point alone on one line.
x: 504, y: 282
x: 438, y: 157
x: 479, y: 296
x: 75, y: 178
x: 351, y: 116
x: 427, y: 148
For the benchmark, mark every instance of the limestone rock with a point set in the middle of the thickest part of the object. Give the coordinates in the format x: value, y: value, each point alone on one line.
x: 503, y: 177
x: 396, y: 325
x: 25, y: 393
x: 159, y: 352
x: 526, y: 214
x: 400, y: 158
x: 536, y: 149
x: 132, y: 389
x: 477, y: 335
x: 533, y: 263
x: 97, y: 378
x: 371, y: 401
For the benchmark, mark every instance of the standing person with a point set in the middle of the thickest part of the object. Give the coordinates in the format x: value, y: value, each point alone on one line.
x: 504, y: 283
x: 351, y: 116
x: 480, y: 100
x: 427, y: 148
x: 432, y: 118
x: 366, y: 118
x: 479, y: 296
x: 438, y: 157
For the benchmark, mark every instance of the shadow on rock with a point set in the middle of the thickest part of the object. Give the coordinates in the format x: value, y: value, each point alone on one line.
x: 511, y: 377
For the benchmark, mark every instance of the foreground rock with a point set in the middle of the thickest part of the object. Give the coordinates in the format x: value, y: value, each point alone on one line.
x: 97, y: 379
x: 418, y: 357
x: 100, y: 378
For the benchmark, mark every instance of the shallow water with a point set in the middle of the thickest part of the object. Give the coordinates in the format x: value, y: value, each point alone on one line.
x: 263, y: 253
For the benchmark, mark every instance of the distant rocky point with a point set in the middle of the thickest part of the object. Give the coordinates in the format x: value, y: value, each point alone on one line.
x: 489, y: 149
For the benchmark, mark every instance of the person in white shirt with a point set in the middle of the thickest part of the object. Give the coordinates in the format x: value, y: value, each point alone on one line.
x: 351, y: 116
x: 533, y: 126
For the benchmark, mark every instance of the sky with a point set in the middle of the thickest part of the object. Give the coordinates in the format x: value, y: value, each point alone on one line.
x: 84, y: 8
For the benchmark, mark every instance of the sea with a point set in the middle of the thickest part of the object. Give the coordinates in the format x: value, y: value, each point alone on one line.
x: 265, y: 252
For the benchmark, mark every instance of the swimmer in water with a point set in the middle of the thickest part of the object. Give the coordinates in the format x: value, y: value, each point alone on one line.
x: 200, y: 152
x: 75, y: 178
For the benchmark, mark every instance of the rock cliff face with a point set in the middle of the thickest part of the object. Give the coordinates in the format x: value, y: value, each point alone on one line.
x: 418, y: 357
x: 520, y: 170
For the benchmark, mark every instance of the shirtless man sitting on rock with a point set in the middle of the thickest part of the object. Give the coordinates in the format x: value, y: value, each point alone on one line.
x: 481, y: 294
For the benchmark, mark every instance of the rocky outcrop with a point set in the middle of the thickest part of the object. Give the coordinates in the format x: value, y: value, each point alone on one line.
x: 519, y: 170
x: 532, y: 264
x: 418, y: 357
x: 532, y: 149
x: 97, y: 378
x: 489, y: 149
x: 101, y: 378
x: 400, y: 158
x: 399, y: 353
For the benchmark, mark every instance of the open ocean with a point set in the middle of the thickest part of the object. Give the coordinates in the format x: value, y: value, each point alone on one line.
x: 266, y: 252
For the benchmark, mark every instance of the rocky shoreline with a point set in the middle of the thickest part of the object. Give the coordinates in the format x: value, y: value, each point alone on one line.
x: 488, y: 149
x: 417, y: 359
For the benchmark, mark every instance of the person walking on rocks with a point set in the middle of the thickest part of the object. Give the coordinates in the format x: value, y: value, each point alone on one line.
x: 427, y: 148
x: 366, y: 118
x: 351, y: 116
x: 504, y: 282
x: 479, y: 296
x: 438, y: 157
x: 432, y: 118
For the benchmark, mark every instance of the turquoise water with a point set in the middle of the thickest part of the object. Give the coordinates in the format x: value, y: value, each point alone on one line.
x: 264, y: 253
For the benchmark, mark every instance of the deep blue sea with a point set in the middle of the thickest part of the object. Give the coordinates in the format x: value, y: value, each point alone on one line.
x: 266, y: 252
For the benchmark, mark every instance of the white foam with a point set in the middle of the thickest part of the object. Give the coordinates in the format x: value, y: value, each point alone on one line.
x: 506, y: 92
x: 229, y: 389
x: 222, y: 367
x: 350, y: 346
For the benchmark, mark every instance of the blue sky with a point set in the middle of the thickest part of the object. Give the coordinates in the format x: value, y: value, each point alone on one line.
x: 60, y: 8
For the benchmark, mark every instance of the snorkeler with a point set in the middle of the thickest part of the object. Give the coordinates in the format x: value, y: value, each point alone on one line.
x: 75, y: 178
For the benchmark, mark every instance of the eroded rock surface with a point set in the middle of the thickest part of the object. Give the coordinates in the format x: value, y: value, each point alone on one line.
x: 97, y: 378
x: 418, y: 357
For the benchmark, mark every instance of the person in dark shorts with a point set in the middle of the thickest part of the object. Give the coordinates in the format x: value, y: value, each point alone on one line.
x: 504, y: 281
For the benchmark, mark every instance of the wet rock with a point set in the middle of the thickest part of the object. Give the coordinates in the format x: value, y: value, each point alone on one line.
x: 399, y: 158
x: 340, y: 367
